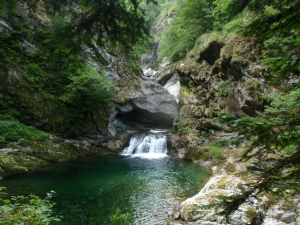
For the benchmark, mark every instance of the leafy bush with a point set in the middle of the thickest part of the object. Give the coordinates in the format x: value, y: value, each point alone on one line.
x: 192, y: 19
x: 121, y: 219
x: 225, y: 10
x: 27, y: 210
x: 8, y: 6
x: 180, y: 128
x: 12, y: 130
x: 277, y: 24
x: 224, y: 89
x: 88, y: 90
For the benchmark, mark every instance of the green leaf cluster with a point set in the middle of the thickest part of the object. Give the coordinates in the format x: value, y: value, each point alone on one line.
x: 275, y: 133
x: 88, y: 90
x: 224, y: 89
x: 277, y: 24
x: 12, y: 130
x: 192, y: 19
x: 225, y: 10
x: 181, y: 129
x: 27, y: 210
x: 121, y: 219
x: 8, y: 6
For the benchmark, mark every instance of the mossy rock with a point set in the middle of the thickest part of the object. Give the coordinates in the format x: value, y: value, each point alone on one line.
x: 187, y: 96
x: 251, y: 213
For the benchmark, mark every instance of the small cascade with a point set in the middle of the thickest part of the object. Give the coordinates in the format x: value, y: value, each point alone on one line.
x: 152, y: 145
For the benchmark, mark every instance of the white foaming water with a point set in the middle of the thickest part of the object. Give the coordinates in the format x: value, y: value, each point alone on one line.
x: 147, y: 146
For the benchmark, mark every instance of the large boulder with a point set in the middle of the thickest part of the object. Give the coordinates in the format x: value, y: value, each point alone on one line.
x: 197, y: 207
x: 154, y: 104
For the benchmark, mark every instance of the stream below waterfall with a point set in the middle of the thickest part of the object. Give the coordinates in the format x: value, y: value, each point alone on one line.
x: 143, y: 181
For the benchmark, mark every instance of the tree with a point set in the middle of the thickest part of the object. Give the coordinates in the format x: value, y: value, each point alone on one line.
x: 88, y: 90
x: 225, y: 10
x: 276, y: 133
x: 276, y: 23
x: 192, y: 19
x: 8, y: 5
x: 55, y: 71
x: 110, y: 21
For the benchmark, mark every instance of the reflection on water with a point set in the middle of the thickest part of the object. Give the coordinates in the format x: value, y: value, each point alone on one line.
x: 89, y: 190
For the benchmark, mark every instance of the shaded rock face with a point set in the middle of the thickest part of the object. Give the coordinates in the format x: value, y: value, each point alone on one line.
x: 177, y: 146
x: 156, y: 103
x: 212, y: 52
x: 223, y: 76
x: 155, y: 99
x: 153, y: 105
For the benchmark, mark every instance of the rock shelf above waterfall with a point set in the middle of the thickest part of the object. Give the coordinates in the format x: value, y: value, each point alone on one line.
x: 153, y: 105
x: 154, y: 99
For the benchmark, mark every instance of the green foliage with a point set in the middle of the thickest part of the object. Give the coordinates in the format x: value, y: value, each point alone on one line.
x: 151, y: 11
x: 8, y: 6
x: 42, y: 73
x: 4, y: 160
x: 121, y: 219
x: 13, y: 130
x: 29, y: 210
x: 225, y: 10
x: 215, y: 149
x: 273, y: 137
x: 277, y: 24
x: 276, y: 132
x: 88, y: 90
x: 110, y: 21
x: 55, y: 73
x: 51, y: 82
x: 181, y: 129
x: 224, y: 89
x: 192, y: 19
x: 206, y: 152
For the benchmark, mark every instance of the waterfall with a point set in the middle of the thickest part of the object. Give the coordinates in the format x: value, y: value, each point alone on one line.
x: 152, y: 145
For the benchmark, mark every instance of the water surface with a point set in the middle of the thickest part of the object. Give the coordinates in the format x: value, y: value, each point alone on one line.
x: 89, y: 190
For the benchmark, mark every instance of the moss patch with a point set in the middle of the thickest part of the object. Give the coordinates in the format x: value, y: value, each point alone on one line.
x: 251, y: 213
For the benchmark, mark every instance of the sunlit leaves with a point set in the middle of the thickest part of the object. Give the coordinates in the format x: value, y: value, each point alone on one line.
x: 88, y: 90
x: 192, y: 19
x: 27, y: 210
x: 270, y: 11
x: 278, y: 25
